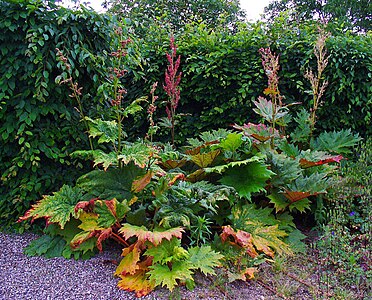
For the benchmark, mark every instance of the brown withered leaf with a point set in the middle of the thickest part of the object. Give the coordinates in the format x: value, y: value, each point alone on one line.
x: 140, y: 183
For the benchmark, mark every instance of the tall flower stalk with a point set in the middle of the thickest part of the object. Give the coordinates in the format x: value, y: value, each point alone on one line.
x: 272, y: 110
x: 118, y: 90
x: 151, y: 110
x: 75, y: 89
x: 171, y: 86
x: 318, y: 85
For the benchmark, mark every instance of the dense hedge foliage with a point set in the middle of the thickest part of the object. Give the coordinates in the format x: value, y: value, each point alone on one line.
x: 222, y: 75
x: 38, y: 124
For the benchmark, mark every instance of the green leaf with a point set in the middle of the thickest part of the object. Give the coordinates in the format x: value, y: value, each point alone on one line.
x: 302, y: 132
x: 300, y: 205
x: 107, y: 131
x: 138, y: 153
x: 164, y: 276
x: 232, y: 142
x: 110, y: 212
x: 208, y: 137
x: 99, y: 157
x: 247, y: 179
x: 205, y: 159
x: 294, y: 240
x: 167, y: 251
x: 113, y: 183
x: 336, y: 142
x: 134, y: 107
x: 204, y: 259
x: 285, y: 168
x: 280, y: 202
x: 50, y: 246
x: 220, y: 169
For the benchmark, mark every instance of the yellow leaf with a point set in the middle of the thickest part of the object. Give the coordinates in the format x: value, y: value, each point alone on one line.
x: 89, y: 221
x: 205, y: 159
x: 133, y: 200
x: 137, y: 283
x: 129, y: 264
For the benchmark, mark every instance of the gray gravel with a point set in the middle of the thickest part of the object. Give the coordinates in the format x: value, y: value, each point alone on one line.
x: 38, y: 278
x: 23, y: 277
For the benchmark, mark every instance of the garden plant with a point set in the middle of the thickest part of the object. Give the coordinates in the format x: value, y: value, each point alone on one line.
x: 227, y: 198
x: 201, y: 145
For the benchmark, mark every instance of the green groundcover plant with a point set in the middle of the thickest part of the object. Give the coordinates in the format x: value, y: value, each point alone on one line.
x: 226, y: 198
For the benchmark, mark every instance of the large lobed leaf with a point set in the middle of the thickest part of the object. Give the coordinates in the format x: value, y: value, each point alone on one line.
x: 336, y: 142
x: 168, y: 252
x: 247, y: 179
x: 164, y: 276
x: 204, y: 259
x: 56, y: 208
x: 107, y: 131
x: 155, y: 237
x: 262, y: 227
x: 138, y: 283
x: 138, y: 153
x: 114, y: 183
x: 208, y: 137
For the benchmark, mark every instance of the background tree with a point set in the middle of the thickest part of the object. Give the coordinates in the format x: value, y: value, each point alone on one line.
x: 352, y: 14
x: 177, y: 13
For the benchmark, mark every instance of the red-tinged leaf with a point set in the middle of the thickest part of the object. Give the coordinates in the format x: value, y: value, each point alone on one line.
x: 304, y: 163
x: 226, y: 232
x: 81, y: 237
x: 260, y: 138
x: 179, y: 176
x: 129, y: 264
x: 139, y: 184
x: 155, y: 237
x: 137, y: 283
x: 85, y: 205
x: 103, y: 235
x: 205, y: 159
x: 241, y: 238
x: 244, y: 275
x: 260, y: 132
x: 111, y: 205
x: 295, y: 196
x: 249, y: 273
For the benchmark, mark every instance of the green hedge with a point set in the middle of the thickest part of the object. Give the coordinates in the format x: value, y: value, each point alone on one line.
x: 39, y: 126
x: 222, y: 74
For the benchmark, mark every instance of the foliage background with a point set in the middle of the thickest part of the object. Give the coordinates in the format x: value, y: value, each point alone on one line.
x: 222, y: 75
x: 39, y: 126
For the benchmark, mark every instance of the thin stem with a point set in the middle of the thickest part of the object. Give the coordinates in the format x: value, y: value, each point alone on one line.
x: 119, y: 239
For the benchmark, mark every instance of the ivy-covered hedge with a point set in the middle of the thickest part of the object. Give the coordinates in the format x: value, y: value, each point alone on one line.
x: 39, y: 126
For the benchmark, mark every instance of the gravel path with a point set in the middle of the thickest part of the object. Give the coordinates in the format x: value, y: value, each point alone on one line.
x: 37, y: 278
